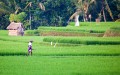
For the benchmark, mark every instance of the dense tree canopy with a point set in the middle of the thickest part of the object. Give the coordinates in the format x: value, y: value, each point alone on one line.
x: 56, y: 13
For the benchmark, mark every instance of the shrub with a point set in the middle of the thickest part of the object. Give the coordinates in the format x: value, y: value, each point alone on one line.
x: 32, y: 32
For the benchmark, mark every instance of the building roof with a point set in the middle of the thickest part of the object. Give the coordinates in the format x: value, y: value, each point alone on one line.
x: 14, y: 26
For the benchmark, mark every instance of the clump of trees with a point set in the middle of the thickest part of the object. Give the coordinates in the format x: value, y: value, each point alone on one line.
x: 56, y: 13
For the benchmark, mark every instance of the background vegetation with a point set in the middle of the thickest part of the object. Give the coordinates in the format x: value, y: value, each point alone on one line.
x: 56, y: 12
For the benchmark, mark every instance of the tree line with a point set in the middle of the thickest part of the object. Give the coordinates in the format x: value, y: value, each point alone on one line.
x: 35, y: 13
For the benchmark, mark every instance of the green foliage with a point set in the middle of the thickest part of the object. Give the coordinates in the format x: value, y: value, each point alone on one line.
x: 4, y: 22
x: 53, y: 15
x: 17, y: 18
x: 12, y: 17
x: 5, y: 7
x: 57, y: 12
x: 20, y: 17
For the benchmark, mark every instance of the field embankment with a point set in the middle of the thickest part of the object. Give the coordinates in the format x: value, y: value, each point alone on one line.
x: 85, y: 29
x: 113, y: 32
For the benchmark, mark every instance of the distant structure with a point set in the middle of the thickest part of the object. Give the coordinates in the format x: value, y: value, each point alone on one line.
x: 15, y: 29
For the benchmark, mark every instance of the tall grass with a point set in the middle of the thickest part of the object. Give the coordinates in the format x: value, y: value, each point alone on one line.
x: 85, y: 40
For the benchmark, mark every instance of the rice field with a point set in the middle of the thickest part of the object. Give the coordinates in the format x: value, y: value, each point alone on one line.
x: 63, y: 59
x: 84, y: 27
x: 54, y: 65
x: 85, y: 40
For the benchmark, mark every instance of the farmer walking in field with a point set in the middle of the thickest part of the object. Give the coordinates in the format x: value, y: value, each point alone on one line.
x: 30, y: 48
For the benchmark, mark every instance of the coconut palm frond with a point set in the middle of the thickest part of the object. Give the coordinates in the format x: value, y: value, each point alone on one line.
x: 29, y: 4
x: 108, y: 9
x: 79, y: 1
x: 17, y: 10
x: 85, y: 7
x: 42, y: 6
x: 73, y: 15
x: 93, y: 1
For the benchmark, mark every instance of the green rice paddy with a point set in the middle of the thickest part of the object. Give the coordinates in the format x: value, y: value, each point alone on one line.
x: 66, y: 58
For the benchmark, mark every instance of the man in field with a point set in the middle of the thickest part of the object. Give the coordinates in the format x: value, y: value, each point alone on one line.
x: 30, y: 48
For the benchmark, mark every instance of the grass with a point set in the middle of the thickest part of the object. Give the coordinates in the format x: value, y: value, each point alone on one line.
x: 100, y: 27
x: 3, y: 33
x: 81, y: 65
x: 85, y: 40
x: 85, y: 28
x: 64, y: 59
x: 17, y: 48
x: 106, y: 24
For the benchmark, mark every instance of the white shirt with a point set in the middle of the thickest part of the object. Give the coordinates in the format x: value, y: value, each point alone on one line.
x: 30, y: 44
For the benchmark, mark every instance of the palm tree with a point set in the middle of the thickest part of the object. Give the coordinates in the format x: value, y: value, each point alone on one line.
x: 7, y: 6
x: 13, y: 6
x: 82, y: 6
x: 106, y: 6
x: 29, y: 6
